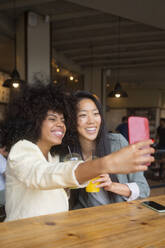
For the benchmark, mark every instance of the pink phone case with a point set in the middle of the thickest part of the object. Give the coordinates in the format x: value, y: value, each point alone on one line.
x: 138, y: 129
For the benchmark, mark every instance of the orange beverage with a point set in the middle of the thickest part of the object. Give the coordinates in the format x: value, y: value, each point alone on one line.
x: 91, y: 187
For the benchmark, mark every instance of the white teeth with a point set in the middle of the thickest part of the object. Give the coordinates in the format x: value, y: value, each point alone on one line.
x: 58, y: 133
x: 91, y: 129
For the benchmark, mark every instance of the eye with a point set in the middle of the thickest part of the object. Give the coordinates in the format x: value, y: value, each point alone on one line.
x: 82, y: 115
x: 96, y: 113
x: 63, y: 120
x: 51, y: 119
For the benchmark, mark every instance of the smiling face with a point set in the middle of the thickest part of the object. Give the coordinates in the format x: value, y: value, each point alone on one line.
x: 88, y: 120
x: 52, y: 130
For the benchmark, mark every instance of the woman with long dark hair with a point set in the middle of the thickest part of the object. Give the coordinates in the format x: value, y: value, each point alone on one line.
x: 92, y: 139
x: 36, y: 180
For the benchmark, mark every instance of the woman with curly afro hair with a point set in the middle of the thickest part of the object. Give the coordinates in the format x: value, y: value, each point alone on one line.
x: 36, y: 180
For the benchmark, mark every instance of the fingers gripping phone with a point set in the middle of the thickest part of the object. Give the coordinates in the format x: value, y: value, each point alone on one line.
x: 155, y: 206
x: 138, y: 129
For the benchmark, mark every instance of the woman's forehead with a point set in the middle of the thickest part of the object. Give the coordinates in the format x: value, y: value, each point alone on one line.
x: 87, y: 104
x: 55, y: 112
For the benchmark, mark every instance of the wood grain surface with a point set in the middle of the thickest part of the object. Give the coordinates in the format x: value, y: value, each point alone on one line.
x: 119, y: 225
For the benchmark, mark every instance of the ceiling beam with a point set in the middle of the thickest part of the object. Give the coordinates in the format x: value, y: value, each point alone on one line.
x: 140, y: 42
x: 73, y: 15
x: 154, y: 48
x: 9, y: 4
x: 124, y: 61
x: 128, y: 30
x: 94, y: 26
x: 110, y: 37
x: 149, y: 12
x: 90, y: 19
x: 132, y: 55
x: 150, y: 64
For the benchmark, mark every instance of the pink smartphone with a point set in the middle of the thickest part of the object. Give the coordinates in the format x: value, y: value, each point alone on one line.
x: 138, y: 129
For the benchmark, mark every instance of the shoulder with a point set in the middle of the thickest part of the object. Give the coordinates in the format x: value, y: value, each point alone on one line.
x: 2, y: 159
x: 3, y: 162
x: 23, y: 146
x: 113, y: 137
x: 23, y: 143
x: 119, y: 126
x: 122, y: 125
x: 117, y: 141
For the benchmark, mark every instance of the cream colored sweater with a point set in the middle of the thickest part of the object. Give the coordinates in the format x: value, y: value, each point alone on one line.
x: 35, y: 186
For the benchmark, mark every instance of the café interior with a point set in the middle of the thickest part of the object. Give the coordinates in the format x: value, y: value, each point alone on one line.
x: 105, y: 47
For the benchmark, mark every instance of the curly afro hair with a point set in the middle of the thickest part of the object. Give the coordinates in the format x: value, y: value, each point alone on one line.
x: 27, y: 111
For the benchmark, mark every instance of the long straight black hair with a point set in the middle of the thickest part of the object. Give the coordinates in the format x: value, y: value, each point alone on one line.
x: 102, y: 141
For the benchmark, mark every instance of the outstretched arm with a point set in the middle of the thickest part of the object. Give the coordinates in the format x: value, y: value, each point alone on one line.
x: 132, y: 158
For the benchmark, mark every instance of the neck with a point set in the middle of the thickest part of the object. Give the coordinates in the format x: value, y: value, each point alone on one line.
x: 44, y: 149
x: 87, y: 148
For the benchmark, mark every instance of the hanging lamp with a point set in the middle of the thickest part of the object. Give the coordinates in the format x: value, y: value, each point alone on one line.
x: 15, y: 80
x: 118, y: 91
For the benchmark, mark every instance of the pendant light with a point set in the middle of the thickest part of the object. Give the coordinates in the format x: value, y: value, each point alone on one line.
x: 118, y: 91
x: 15, y: 80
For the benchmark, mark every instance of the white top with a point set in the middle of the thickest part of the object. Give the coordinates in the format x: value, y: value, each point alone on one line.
x: 2, y: 171
x: 35, y: 186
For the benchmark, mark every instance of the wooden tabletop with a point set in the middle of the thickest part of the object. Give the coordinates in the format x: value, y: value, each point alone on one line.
x: 119, y: 225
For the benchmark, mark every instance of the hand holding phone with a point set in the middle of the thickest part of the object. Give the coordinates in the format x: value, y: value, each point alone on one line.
x: 155, y: 206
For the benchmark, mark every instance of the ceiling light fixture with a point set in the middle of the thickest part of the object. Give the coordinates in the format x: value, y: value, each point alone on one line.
x: 118, y: 91
x: 71, y: 78
x: 15, y: 80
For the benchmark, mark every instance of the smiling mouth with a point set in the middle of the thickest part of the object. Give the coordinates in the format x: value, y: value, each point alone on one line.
x: 58, y: 134
x: 91, y: 130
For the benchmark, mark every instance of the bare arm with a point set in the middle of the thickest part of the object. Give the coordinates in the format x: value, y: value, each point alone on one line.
x: 120, y: 189
x: 132, y: 158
